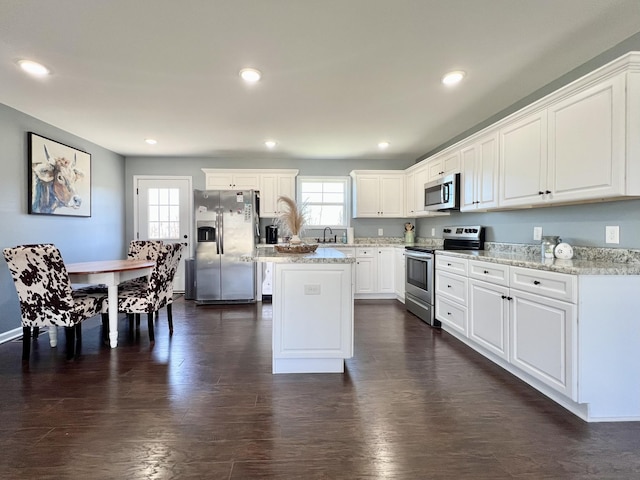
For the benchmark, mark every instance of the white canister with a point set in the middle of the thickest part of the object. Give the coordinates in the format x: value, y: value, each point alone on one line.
x: 350, y: 235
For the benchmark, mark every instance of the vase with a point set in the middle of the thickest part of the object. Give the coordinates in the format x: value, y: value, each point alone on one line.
x: 295, y: 240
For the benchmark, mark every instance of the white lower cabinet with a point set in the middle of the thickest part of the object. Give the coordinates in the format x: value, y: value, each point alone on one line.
x: 489, y: 317
x: 543, y: 340
x: 366, y: 270
x: 572, y: 337
x: 524, y: 317
x: 451, y: 314
x: 399, y: 267
x: 385, y: 271
x: 451, y: 293
x: 375, y: 272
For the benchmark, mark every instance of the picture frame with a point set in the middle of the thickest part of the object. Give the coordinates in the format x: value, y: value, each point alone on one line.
x: 59, y: 178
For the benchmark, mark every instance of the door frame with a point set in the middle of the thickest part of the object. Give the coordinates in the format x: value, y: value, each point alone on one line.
x: 189, y: 179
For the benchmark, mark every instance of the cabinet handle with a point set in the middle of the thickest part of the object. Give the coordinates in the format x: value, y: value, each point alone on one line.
x: 540, y: 192
x: 509, y: 298
x: 448, y: 286
x: 486, y: 271
x: 448, y: 313
x: 548, y: 192
x: 448, y: 264
x: 504, y: 297
x: 536, y: 282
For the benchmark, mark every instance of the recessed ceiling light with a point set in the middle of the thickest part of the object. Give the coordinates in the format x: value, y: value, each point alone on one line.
x: 151, y: 141
x: 250, y: 75
x: 452, y: 78
x: 270, y: 143
x: 383, y: 145
x: 34, y: 68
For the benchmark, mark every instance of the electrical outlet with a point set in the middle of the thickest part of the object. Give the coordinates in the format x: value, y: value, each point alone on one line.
x: 537, y: 233
x: 612, y: 234
x: 433, y: 232
x: 380, y: 232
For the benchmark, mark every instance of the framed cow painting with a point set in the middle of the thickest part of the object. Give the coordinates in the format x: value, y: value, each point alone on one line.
x: 60, y: 181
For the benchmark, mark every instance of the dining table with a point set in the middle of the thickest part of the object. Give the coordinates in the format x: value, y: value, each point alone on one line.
x: 110, y: 273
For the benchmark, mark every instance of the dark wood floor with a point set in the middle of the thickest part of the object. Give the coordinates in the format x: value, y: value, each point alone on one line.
x: 414, y: 403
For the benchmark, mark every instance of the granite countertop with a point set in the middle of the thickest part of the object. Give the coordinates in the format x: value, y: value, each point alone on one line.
x: 574, y: 266
x: 267, y: 253
x: 366, y: 244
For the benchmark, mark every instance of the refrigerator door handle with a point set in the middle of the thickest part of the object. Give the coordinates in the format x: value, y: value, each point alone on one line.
x: 221, y: 236
x: 217, y: 233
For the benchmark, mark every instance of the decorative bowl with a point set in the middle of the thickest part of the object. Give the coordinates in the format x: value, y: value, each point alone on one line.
x: 296, y: 248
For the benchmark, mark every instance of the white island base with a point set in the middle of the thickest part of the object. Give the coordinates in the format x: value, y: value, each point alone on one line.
x: 312, y: 310
x: 312, y: 317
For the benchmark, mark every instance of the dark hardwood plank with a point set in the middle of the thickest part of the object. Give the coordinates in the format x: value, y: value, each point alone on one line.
x: 414, y: 403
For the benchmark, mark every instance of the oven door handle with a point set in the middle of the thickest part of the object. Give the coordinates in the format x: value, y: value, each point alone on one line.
x: 419, y: 256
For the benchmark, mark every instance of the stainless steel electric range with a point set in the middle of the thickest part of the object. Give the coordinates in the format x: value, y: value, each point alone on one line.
x: 420, y: 272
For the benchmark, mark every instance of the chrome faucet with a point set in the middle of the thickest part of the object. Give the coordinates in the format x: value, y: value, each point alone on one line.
x: 324, y: 234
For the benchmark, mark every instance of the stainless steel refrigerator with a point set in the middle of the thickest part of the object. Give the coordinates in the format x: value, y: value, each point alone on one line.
x: 227, y: 226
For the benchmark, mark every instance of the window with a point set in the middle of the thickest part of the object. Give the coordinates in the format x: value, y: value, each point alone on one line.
x: 326, y: 200
x: 164, y: 213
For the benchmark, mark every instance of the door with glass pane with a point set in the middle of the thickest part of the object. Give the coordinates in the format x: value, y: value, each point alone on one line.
x: 163, y: 212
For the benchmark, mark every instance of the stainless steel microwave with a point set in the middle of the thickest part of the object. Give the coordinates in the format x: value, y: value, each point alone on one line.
x: 443, y: 194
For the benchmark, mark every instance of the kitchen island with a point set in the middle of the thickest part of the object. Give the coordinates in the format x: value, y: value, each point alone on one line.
x: 312, y: 310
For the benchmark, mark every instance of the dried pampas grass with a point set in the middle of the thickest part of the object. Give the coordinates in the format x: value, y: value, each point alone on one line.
x: 292, y: 217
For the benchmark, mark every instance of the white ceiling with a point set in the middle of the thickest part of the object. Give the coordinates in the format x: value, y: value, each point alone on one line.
x: 338, y: 75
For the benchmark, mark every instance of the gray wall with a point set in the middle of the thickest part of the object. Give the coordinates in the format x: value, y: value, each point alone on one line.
x: 192, y: 167
x: 80, y: 239
x: 582, y: 225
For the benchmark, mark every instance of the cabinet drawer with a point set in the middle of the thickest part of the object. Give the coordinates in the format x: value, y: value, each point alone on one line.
x: 452, y: 286
x: 451, y: 315
x: 550, y: 284
x: 362, y: 252
x: 489, y: 272
x: 452, y: 264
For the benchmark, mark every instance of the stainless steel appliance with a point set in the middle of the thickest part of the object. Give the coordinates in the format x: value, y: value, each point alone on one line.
x: 227, y: 226
x: 443, y: 194
x: 420, y: 272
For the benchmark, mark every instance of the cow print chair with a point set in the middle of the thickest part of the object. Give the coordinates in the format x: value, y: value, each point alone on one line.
x: 142, y: 250
x: 45, y: 295
x: 167, y: 295
x: 150, y: 296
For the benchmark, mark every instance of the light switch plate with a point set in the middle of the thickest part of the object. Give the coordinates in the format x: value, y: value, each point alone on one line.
x: 433, y: 232
x: 612, y: 234
x: 380, y: 232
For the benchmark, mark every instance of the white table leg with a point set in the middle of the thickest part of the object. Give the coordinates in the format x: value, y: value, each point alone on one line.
x: 113, y: 315
x: 53, y: 336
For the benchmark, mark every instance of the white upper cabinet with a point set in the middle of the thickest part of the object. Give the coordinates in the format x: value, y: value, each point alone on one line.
x: 274, y: 185
x: 586, y: 143
x: 217, y: 179
x: 571, y: 151
x: 479, y: 183
x: 378, y: 193
x: 442, y: 165
x: 577, y: 144
x: 523, y: 160
x: 414, y: 192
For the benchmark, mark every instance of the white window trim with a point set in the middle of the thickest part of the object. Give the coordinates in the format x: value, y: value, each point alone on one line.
x: 324, y: 178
